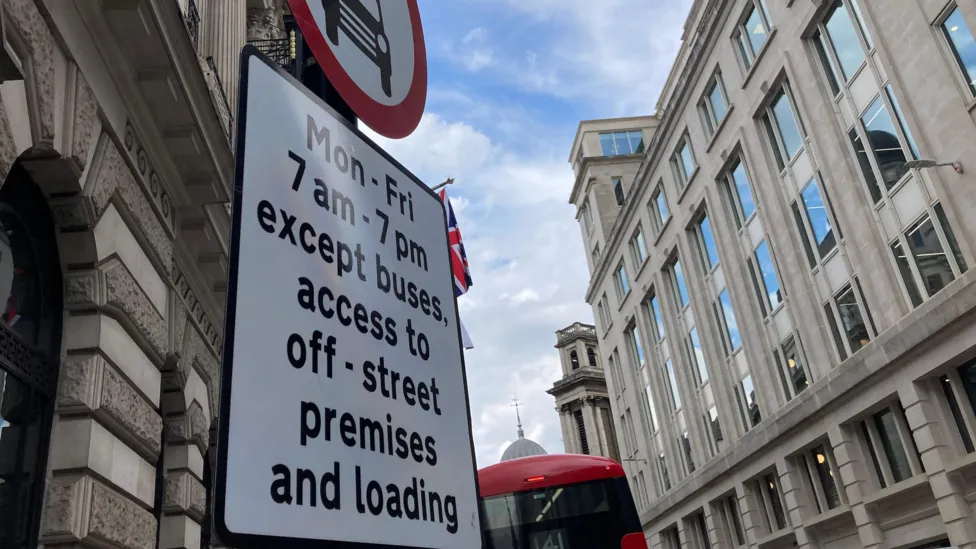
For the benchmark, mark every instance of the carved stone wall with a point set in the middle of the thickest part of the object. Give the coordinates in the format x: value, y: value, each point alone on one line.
x: 139, y: 370
x: 264, y: 23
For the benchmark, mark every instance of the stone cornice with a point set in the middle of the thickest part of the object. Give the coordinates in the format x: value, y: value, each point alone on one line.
x: 654, y: 153
x: 201, y: 312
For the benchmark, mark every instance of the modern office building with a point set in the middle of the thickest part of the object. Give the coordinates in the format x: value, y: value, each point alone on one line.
x: 781, y: 276
x: 116, y: 132
x: 581, y: 395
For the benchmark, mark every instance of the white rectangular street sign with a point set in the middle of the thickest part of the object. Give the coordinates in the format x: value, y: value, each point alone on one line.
x: 344, y: 410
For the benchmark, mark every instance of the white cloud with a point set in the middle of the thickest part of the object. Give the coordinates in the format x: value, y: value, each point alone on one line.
x: 528, y: 268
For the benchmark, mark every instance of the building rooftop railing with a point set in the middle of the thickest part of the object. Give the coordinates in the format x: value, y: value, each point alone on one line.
x: 280, y: 50
x: 577, y: 329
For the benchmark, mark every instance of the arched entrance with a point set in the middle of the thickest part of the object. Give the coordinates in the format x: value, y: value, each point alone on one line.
x: 30, y: 342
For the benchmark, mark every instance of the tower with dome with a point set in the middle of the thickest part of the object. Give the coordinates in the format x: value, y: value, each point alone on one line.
x: 522, y: 447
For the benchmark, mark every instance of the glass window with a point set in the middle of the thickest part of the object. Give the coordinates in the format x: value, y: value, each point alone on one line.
x: 680, y: 290
x: 748, y: 404
x: 950, y: 237
x: 894, y: 450
x: 686, y: 449
x: 906, y: 273
x: 672, y: 384
x: 956, y: 411
x: 859, y: 17
x: 793, y: 372
x: 741, y: 192
x: 731, y: 326
x: 788, y: 129
x: 752, y: 35
x: 883, y: 141
x: 930, y: 257
x: 736, y: 531
x: 595, y: 254
x: 816, y: 213
x: 683, y: 161
x: 706, y: 244
x: 901, y: 121
x: 825, y: 476
x: 714, y: 427
x: 865, y: 164
x: 843, y: 39
x: 618, y: 191
x: 656, y: 318
x: 639, y: 247
x: 850, y: 316
x: 650, y: 407
x: 716, y: 99
x: 697, y: 356
x: 662, y: 465
x: 777, y: 520
x: 659, y: 211
x: 623, y: 285
x: 617, y: 143
x: 636, y: 347
x: 764, y: 259
x: 963, y: 46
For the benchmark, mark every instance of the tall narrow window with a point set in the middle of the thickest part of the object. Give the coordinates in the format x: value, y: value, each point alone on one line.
x: 640, y: 360
x: 618, y: 190
x: 706, y: 244
x: 771, y: 294
x: 883, y: 142
x: 672, y: 383
x: 658, y: 208
x: 652, y: 411
x: 685, y: 443
x: 783, y: 127
x: 714, y: 104
x: 587, y: 218
x: 653, y: 309
x: 733, y: 341
x: 680, y: 289
x: 662, y: 467
x: 752, y: 33
x: 622, y: 283
x: 963, y: 46
x: 810, y: 211
x: 696, y: 356
x: 683, y: 161
x: 714, y: 429
x: 740, y: 193
x: 748, y: 404
x: 791, y: 366
x: 841, y: 39
x: 638, y: 247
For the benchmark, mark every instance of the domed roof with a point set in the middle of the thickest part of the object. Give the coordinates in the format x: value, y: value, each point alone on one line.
x: 522, y: 447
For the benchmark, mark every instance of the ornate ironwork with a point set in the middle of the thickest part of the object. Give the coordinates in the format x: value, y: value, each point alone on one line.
x: 278, y: 49
x: 192, y: 20
x: 23, y: 361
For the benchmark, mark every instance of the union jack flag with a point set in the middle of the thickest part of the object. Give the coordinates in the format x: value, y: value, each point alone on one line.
x: 459, y: 260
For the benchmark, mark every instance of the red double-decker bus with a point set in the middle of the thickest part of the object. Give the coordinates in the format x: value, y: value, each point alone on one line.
x: 561, y: 501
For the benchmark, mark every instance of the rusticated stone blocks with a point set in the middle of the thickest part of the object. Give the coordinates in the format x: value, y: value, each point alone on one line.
x: 83, y: 510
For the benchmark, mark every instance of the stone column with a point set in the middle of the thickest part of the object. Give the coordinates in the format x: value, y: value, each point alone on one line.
x: 712, y: 522
x: 854, y: 477
x: 752, y: 520
x: 592, y: 429
x: 948, y: 490
x: 569, y: 435
x: 224, y: 33
x: 796, y: 502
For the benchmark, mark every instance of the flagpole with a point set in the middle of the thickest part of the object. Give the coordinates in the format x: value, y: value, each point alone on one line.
x: 449, y: 181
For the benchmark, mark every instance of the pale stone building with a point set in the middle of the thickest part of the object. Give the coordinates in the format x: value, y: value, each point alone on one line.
x: 116, y: 133
x: 780, y: 272
x: 581, y: 395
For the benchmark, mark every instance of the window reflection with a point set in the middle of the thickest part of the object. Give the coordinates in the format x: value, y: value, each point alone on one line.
x: 851, y: 319
x: 884, y: 143
x: 843, y: 38
x: 672, y: 384
x: 774, y: 295
x: 697, y: 355
x: 717, y: 100
x: 816, y: 211
x: 22, y: 310
x: 680, y: 289
x: 751, y: 405
x: 789, y: 130
x: 740, y: 183
x: 930, y: 257
x: 794, y: 366
x: 731, y: 325
x: 963, y: 46
x: 709, y: 250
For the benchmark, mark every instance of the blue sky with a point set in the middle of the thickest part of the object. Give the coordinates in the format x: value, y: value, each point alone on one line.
x: 509, y: 81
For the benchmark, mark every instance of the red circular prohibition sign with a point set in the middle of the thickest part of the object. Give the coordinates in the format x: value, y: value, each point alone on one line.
x: 393, y: 121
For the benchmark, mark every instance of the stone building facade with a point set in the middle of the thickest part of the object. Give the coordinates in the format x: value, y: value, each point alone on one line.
x: 581, y: 395
x: 116, y: 134
x: 781, y: 272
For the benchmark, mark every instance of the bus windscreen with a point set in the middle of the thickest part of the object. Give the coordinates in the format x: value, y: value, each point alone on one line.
x: 590, y: 515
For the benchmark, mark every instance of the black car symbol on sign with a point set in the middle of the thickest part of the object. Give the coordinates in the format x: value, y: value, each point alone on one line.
x: 364, y: 29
